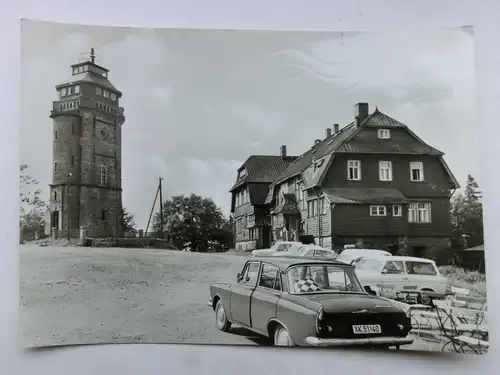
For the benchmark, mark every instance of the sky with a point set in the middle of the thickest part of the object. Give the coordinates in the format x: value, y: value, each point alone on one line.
x: 199, y: 102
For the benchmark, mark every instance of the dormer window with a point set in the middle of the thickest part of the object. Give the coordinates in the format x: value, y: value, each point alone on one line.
x: 242, y: 173
x: 384, y: 134
x: 98, y: 91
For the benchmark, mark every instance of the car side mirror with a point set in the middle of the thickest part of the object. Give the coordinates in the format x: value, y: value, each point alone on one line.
x: 238, y: 277
x: 369, y: 290
x: 384, y: 271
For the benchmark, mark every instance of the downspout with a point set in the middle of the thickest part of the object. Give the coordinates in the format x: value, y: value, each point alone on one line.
x: 320, y: 238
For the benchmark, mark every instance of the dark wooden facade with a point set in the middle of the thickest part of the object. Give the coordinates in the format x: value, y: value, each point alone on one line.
x: 336, y: 210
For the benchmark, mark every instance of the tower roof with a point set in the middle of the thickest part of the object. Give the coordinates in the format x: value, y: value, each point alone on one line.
x: 90, y: 72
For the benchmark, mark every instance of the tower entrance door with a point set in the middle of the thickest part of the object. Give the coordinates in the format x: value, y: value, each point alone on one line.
x: 54, y: 220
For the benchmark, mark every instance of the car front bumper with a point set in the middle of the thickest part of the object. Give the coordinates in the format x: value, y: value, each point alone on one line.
x: 389, y: 341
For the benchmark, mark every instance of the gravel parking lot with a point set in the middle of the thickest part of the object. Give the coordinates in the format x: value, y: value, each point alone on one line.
x: 74, y: 295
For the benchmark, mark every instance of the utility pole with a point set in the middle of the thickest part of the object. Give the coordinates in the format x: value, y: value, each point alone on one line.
x: 161, y: 207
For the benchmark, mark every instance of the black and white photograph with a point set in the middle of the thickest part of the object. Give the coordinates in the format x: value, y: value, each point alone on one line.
x: 260, y: 188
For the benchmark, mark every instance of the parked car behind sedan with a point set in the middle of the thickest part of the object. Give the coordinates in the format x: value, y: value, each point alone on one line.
x: 352, y: 256
x: 297, y: 302
x: 402, y: 273
x: 278, y: 247
x: 309, y: 251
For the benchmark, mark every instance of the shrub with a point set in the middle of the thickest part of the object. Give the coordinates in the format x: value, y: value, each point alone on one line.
x: 473, y: 280
x: 460, y: 274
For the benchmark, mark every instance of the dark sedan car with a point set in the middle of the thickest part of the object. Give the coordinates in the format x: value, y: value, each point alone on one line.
x: 308, y: 302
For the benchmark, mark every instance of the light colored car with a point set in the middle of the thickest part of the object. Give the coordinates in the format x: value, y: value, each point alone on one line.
x: 352, y: 256
x: 278, y: 247
x: 309, y: 251
x: 401, y: 273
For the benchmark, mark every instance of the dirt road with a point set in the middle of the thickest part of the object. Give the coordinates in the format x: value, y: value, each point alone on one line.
x: 73, y: 295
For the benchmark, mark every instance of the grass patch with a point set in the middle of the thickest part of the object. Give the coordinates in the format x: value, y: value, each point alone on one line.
x: 473, y: 280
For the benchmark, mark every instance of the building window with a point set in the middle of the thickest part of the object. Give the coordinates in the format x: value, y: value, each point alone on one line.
x: 113, y: 97
x: 419, y: 212
x: 55, y: 196
x: 397, y: 210
x: 103, y: 175
x: 98, y: 91
x: 85, y: 68
x: 76, y: 89
x: 312, y: 208
x: 63, y: 91
x: 384, y: 134
x: 72, y: 159
x: 354, y: 170
x: 73, y: 128
x: 417, y: 171
x: 75, y: 70
x: 322, y: 206
x: 55, y: 134
x: 105, y: 94
x: 385, y: 170
x: 103, y: 215
x: 378, y: 211
x: 55, y: 166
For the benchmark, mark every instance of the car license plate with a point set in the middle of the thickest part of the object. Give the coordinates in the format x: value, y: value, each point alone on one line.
x: 366, y: 329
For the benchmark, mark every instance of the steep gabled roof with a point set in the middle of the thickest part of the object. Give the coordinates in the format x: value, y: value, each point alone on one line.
x: 263, y: 168
x: 378, y: 119
x: 345, y: 142
x: 90, y: 77
x: 318, y: 151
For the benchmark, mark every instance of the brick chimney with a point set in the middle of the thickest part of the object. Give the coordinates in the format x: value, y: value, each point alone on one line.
x: 328, y: 132
x: 336, y: 128
x: 283, y: 151
x: 360, y: 112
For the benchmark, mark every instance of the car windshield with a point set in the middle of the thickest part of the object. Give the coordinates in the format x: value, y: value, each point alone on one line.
x: 304, y: 250
x: 322, y: 278
x: 282, y: 247
x: 367, y: 264
x: 294, y: 249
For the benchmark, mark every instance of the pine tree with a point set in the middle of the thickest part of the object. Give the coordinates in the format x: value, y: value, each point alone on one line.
x: 467, y: 216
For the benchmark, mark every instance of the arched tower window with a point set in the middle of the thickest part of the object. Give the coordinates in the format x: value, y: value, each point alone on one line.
x: 55, y: 196
x: 103, y: 175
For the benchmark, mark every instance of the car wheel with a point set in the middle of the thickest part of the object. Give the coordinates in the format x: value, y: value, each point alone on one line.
x: 282, y: 337
x: 221, y: 317
x: 424, y: 300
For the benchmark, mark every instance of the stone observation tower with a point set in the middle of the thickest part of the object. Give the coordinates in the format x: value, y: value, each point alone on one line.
x: 87, y: 146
